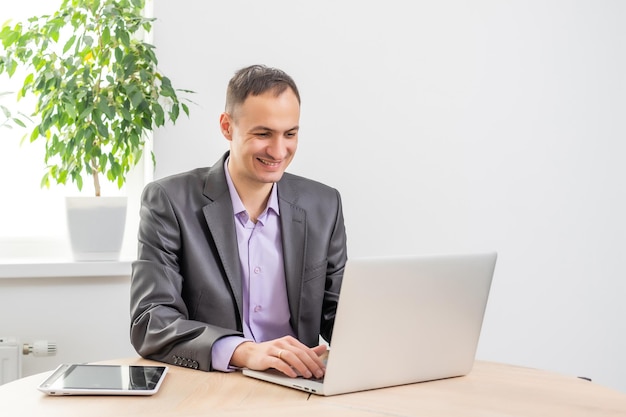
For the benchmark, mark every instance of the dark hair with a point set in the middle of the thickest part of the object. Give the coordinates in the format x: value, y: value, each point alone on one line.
x: 255, y: 80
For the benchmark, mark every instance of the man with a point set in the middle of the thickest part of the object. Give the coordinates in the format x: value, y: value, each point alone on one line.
x: 240, y: 265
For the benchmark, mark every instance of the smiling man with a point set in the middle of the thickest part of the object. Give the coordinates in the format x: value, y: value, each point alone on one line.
x: 240, y: 264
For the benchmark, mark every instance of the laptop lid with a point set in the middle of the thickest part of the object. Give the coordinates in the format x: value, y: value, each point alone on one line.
x: 403, y: 320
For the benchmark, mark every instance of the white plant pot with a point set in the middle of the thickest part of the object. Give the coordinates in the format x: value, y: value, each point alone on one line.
x: 96, y: 227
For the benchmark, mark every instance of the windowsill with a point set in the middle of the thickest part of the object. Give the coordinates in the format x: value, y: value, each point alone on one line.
x: 57, y: 268
x: 52, y: 258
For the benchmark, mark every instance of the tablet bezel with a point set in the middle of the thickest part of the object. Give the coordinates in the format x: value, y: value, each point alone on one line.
x: 51, y: 385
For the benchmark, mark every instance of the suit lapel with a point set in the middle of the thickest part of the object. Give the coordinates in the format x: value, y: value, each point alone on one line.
x: 219, y: 218
x: 293, y: 223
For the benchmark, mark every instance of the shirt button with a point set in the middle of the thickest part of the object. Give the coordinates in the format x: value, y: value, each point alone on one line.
x: 257, y: 309
x: 257, y: 270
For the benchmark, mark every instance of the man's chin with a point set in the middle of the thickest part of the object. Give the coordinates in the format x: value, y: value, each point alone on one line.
x: 270, y: 175
x: 270, y: 179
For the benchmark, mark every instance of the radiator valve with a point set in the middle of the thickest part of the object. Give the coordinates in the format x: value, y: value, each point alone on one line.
x: 40, y: 348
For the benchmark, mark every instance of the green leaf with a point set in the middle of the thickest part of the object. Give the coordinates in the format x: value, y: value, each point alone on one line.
x: 146, y: 121
x: 83, y: 115
x: 54, y: 34
x: 159, y: 115
x: 29, y: 79
x: 134, y: 139
x: 62, y: 177
x: 11, y: 68
x: 125, y: 113
x: 106, y: 35
x: 185, y: 108
x: 10, y: 37
x: 88, y: 40
x: 45, y: 181
x: 123, y: 36
x: 138, y: 3
x: 35, y: 134
x: 18, y: 122
x: 70, y: 109
x: 137, y: 99
x: 102, y: 129
x: 174, y: 113
x: 118, y: 55
x: 69, y: 44
x: 78, y: 180
x: 104, y: 107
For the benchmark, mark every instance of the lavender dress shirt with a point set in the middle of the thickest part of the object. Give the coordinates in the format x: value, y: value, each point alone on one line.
x: 265, y: 305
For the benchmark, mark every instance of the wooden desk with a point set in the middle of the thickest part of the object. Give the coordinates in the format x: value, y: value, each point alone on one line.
x: 491, y: 389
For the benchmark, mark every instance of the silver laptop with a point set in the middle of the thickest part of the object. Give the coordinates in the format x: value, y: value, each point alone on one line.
x: 401, y: 321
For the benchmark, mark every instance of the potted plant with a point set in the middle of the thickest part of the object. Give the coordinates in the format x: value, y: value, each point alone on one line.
x: 99, y: 94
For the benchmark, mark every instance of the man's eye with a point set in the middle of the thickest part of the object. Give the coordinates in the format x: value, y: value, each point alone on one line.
x: 262, y: 134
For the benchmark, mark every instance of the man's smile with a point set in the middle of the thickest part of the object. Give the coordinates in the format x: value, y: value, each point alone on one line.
x: 268, y: 163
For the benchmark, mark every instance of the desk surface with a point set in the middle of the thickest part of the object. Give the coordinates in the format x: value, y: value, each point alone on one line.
x: 491, y: 389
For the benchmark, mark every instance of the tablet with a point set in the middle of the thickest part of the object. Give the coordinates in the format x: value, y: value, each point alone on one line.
x: 88, y: 379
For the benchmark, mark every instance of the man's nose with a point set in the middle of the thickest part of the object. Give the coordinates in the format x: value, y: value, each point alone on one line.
x: 277, y: 148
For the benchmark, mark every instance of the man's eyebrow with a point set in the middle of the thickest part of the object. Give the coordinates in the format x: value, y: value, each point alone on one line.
x: 261, y: 127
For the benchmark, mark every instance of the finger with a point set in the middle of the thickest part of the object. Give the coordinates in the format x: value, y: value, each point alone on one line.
x: 322, y: 354
x: 282, y: 366
x: 305, y: 361
x: 317, y: 353
x: 320, y: 350
x: 282, y: 360
x: 289, y: 357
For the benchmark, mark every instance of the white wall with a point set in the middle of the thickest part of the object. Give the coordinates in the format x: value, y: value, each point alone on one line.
x: 87, y: 317
x: 448, y: 126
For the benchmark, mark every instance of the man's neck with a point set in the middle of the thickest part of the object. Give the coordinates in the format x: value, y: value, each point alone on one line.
x: 254, y: 196
x: 255, y: 200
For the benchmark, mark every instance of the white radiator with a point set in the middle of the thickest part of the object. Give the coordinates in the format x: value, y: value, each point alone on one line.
x: 10, y: 360
x: 11, y: 351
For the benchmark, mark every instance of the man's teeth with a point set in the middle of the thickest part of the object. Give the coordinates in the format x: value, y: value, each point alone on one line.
x: 268, y: 162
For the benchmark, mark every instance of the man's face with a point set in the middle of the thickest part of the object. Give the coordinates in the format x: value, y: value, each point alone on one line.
x: 263, y: 135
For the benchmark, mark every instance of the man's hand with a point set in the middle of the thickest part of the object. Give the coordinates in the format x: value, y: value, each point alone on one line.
x: 286, y: 354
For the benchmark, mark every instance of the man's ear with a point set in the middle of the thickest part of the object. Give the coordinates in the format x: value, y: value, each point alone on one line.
x: 226, y: 125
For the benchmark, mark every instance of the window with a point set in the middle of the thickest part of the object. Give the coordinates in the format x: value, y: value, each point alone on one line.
x: 32, y: 219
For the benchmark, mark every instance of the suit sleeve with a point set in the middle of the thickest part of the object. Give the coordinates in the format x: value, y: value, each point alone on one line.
x: 337, y: 257
x: 160, y: 325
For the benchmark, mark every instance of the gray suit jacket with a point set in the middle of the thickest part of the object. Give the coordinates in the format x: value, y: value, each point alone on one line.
x: 186, y: 289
